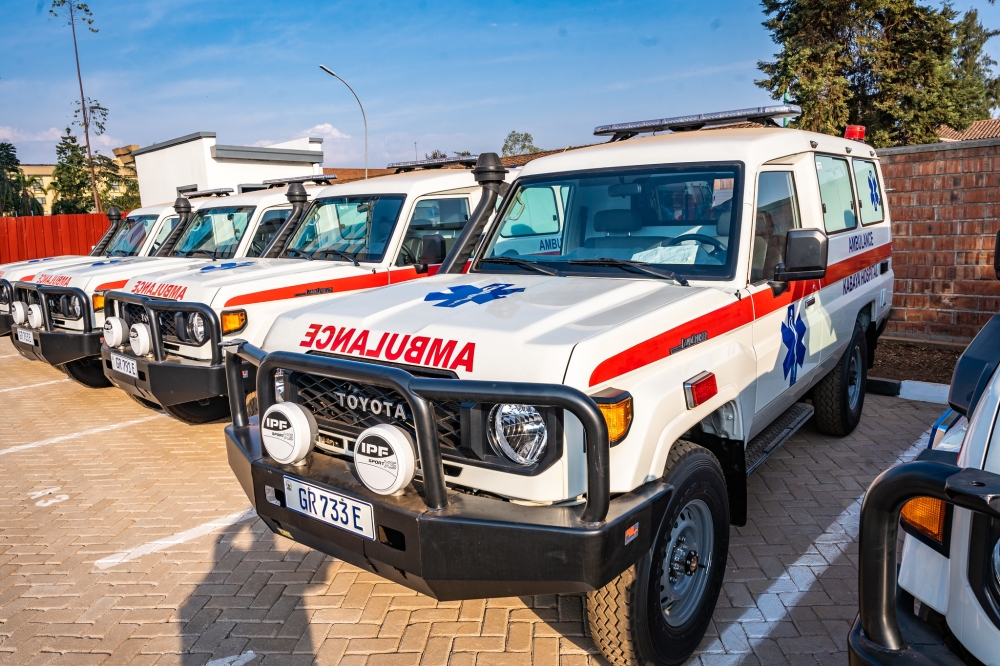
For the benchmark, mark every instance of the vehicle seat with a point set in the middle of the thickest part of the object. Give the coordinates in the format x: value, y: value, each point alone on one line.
x: 768, y: 248
x: 617, y: 225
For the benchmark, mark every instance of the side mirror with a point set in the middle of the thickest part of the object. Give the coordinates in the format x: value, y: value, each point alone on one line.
x: 996, y: 256
x: 432, y: 251
x: 805, y: 256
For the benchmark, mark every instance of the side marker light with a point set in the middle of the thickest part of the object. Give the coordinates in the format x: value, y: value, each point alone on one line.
x: 700, y: 389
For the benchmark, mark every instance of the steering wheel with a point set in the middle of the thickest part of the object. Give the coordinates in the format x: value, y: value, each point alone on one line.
x: 701, y: 238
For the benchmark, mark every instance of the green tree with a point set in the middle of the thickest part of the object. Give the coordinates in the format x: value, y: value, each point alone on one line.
x: 435, y: 155
x: 895, y: 66
x: 519, y: 143
x: 9, y: 166
x: 463, y: 153
x: 71, y: 177
x: 24, y: 196
x: 119, y: 184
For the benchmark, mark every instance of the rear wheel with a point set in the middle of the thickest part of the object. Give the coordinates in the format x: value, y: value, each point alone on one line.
x: 840, y: 396
x: 252, y: 403
x: 145, y: 403
x: 197, y: 412
x: 657, y: 611
x: 87, y: 371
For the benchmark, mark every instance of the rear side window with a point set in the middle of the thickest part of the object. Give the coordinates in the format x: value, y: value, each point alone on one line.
x: 777, y: 214
x: 434, y: 227
x: 165, y: 229
x: 835, y: 192
x: 871, y: 202
x: 269, y: 224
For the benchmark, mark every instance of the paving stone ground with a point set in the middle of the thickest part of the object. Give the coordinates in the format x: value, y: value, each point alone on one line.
x: 92, y: 474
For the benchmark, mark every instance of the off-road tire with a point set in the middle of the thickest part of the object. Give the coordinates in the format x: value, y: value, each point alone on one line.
x: 149, y: 404
x: 834, y: 413
x: 87, y: 371
x: 626, y: 621
x: 198, y: 412
x: 252, y: 408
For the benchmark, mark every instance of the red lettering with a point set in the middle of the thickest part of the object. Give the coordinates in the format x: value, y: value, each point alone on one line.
x: 323, y: 344
x: 439, y: 353
x: 416, y: 350
x: 378, y: 351
x: 306, y: 342
x: 465, y: 357
x: 342, y: 340
x: 360, y: 343
x: 393, y: 355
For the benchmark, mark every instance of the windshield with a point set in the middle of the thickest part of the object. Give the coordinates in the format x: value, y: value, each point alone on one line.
x: 214, y: 232
x: 679, y: 219
x: 129, y: 239
x: 359, y: 226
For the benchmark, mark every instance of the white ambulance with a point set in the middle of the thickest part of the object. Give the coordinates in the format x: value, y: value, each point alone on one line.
x: 583, y: 417
x: 943, y: 606
x: 162, y: 342
x: 58, y: 316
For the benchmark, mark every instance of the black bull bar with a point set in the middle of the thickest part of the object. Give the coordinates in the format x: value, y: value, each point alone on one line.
x: 57, y: 346
x: 6, y: 318
x: 154, y: 305
x: 456, y: 545
x: 876, y: 637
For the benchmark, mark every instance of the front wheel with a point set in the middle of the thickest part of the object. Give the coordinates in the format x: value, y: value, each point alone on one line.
x: 87, y: 371
x: 657, y: 611
x: 840, y: 396
x: 197, y: 412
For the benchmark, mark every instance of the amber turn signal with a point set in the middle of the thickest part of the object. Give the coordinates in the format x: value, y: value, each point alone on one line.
x: 927, y: 516
x: 99, y: 302
x: 233, y: 321
x: 618, y: 416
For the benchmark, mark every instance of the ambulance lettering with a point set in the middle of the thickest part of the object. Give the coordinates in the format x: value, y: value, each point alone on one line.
x: 852, y: 282
x: 54, y: 280
x: 860, y: 242
x: 549, y: 244
x: 415, y: 350
x: 169, y: 291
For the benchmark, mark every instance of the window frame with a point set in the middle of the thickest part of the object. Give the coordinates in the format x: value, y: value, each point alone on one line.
x: 401, y: 230
x: 777, y: 168
x: 878, y: 178
x: 854, y: 192
x: 255, y: 225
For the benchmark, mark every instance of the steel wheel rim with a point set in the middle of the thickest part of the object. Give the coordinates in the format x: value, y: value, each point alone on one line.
x: 686, y: 563
x: 854, y: 368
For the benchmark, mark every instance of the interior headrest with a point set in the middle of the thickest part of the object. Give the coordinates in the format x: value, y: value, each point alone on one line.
x: 725, y: 214
x: 617, y: 220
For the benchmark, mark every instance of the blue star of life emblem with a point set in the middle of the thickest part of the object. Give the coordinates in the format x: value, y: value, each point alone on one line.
x: 467, y: 293
x: 873, y: 188
x: 226, y: 266
x: 793, y: 333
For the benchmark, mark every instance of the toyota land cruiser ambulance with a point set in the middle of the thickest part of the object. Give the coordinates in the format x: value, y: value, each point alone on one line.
x: 583, y: 417
x: 943, y: 607
x: 162, y: 334
x: 130, y: 237
x: 58, y: 318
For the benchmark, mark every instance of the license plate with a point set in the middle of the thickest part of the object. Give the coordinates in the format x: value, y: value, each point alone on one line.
x: 25, y: 335
x: 124, y: 365
x: 331, y: 508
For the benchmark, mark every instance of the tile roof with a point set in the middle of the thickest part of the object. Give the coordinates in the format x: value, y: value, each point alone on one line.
x: 980, y: 129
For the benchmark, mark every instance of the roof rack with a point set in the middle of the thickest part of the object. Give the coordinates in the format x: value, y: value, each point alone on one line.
x: 765, y: 115
x: 324, y: 178
x: 436, y: 163
x: 217, y: 192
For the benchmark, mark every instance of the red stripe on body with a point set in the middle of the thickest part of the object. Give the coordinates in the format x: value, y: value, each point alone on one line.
x: 340, y: 284
x: 730, y: 317
x: 111, y: 285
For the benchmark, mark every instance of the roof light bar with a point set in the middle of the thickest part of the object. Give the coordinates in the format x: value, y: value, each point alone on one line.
x: 762, y: 114
x: 325, y: 179
x: 436, y: 163
x: 217, y: 192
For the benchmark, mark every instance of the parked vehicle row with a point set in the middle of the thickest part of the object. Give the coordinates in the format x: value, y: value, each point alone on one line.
x: 597, y: 353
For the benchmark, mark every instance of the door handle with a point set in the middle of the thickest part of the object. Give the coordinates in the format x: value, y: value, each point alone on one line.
x: 811, y: 301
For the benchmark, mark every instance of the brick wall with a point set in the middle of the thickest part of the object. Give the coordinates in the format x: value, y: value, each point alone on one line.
x: 945, y: 206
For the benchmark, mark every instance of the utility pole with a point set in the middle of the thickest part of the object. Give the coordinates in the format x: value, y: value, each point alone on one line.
x: 84, y: 110
x: 365, y: 119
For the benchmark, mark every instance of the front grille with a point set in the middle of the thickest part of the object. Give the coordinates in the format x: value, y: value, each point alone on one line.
x: 168, y: 324
x: 134, y: 314
x: 330, y: 402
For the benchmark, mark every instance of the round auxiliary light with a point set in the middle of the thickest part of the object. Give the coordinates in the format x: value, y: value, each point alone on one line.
x: 4, y: 295
x: 114, y: 331
x: 35, y: 318
x: 19, y: 311
x: 996, y: 562
x: 279, y: 385
x: 196, y: 327
x: 518, y: 432
x: 385, y: 458
x: 73, y: 308
x: 288, y: 432
x: 140, y: 339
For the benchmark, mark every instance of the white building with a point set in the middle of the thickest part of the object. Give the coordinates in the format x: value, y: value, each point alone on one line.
x: 195, y: 162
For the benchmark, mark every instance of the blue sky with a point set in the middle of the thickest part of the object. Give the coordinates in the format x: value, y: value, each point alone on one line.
x: 446, y: 75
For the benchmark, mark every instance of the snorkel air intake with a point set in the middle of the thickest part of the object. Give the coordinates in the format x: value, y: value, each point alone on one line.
x: 297, y: 196
x: 488, y: 172
x: 115, y: 216
x: 183, y: 208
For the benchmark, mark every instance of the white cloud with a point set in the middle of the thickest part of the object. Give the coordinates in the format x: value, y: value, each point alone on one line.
x: 15, y: 135
x: 264, y: 144
x: 324, y: 131
x: 104, y: 141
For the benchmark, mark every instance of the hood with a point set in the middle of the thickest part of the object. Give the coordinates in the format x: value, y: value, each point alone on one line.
x: 483, y: 326
x: 246, y: 281
x: 102, y: 274
x: 25, y: 271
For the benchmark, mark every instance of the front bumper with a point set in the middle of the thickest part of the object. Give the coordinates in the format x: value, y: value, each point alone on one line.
x: 474, y: 548
x: 925, y: 646
x: 57, y: 347
x: 168, y: 382
x: 6, y: 321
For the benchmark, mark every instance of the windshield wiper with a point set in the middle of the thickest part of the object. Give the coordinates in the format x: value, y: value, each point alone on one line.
x: 343, y: 255
x: 522, y: 263
x: 207, y: 253
x: 291, y: 252
x: 641, y: 266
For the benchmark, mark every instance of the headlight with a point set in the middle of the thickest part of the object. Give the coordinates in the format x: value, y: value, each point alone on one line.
x: 4, y: 295
x: 518, y: 432
x: 196, y: 327
x: 996, y: 562
x: 35, y: 318
x: 233, y: 321
x: 99, y: 301
x: 279, y: 385
x: 19, y: 311
x: 140, y: 339
x: 71, y: 307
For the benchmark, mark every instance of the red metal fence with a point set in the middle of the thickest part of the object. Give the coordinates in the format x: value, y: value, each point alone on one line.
x: 40, y: 236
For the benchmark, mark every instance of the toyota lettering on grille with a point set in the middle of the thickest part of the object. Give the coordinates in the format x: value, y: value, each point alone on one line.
x: 360, y: 403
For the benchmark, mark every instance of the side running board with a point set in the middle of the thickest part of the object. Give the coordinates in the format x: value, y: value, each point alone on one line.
x: 773, y: 436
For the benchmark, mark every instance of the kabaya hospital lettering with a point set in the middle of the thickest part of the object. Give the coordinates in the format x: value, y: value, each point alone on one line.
x: 171, y: 291
x: 852, y: 282
x: 416, y: 349
x: 54, y: 280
